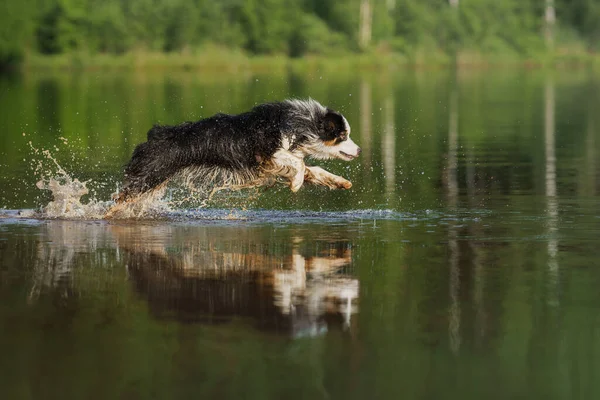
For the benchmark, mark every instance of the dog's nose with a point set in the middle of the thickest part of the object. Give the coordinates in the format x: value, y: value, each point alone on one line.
x: 358, y: 150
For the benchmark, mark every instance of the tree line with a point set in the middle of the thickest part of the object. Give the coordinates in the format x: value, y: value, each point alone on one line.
x: 296, y: 27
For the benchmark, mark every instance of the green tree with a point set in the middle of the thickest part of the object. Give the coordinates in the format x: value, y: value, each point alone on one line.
x: 267, y: 24
x: 294, y: 27
x: 16, y: 28
x: 583, y: 17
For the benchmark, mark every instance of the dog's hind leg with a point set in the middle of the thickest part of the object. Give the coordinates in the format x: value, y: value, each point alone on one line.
x: 319, y: 176
x: 287, y: 165
x: 152, y: 164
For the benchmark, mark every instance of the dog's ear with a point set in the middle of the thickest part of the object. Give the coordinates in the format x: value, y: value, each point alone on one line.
x: 331, y: 122
x: 330, y: 126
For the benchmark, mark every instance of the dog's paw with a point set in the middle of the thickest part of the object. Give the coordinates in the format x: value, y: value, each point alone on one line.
x: 297, y: 182
x: 345, y: 184
x: 338, y: 183
x: 341, y: 183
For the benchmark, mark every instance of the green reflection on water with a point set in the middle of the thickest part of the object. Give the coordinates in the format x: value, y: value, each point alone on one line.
x: 413, y: 126
x: 449, y: 305
x: 483, y: 283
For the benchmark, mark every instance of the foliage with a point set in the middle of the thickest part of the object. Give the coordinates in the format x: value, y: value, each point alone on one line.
x: 289, y: 27
x: 16, y: 30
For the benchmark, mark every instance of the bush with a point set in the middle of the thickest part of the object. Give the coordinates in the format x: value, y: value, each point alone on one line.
x: 313, y: 36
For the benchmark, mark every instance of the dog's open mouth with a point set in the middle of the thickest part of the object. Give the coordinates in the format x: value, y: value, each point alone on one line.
x: 347, y: 156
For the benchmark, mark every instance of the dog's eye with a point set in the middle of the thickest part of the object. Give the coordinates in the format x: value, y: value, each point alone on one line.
x: 343, y: 136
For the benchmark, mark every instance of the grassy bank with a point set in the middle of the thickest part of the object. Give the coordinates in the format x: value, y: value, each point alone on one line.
x: 231, y: 61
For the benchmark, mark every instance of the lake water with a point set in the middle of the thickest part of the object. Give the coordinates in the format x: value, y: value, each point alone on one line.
x: 463, y: 264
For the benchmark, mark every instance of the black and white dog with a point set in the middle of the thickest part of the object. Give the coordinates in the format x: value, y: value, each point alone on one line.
x: 255, y: 148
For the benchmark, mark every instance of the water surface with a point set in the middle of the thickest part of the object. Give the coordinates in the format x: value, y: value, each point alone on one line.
x: 462, y: 264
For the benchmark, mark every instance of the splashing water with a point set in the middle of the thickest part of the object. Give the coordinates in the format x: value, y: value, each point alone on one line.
x: 67, y: 193
x: 192, y: 189
x: 148, y: 206
x: 178, y: 204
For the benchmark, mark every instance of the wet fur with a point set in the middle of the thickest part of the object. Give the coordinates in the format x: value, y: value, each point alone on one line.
x: 250, y: 149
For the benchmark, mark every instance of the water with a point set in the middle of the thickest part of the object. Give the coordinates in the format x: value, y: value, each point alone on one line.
x: 463, y: 263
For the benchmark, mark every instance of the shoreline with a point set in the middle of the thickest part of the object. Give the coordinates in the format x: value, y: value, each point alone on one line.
x: 237, y: 61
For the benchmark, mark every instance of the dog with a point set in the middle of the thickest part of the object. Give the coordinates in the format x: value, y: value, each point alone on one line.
x: 256, y: 148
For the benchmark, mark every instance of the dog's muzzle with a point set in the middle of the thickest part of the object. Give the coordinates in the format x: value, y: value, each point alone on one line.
x: 349, y: 150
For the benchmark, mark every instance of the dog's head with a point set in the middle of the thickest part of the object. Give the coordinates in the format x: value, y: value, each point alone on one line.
x: 334, y: 135
x: 324, y: 133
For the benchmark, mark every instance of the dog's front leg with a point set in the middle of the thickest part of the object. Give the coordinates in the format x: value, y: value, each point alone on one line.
x: 289, y: 166
x: 319, y: 176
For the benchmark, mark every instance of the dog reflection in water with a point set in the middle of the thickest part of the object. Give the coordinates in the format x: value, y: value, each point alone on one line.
x: 205, y: 274
x: 287, y: 293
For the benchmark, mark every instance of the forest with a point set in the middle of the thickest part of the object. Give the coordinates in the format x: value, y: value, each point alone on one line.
x: 296, y: 28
